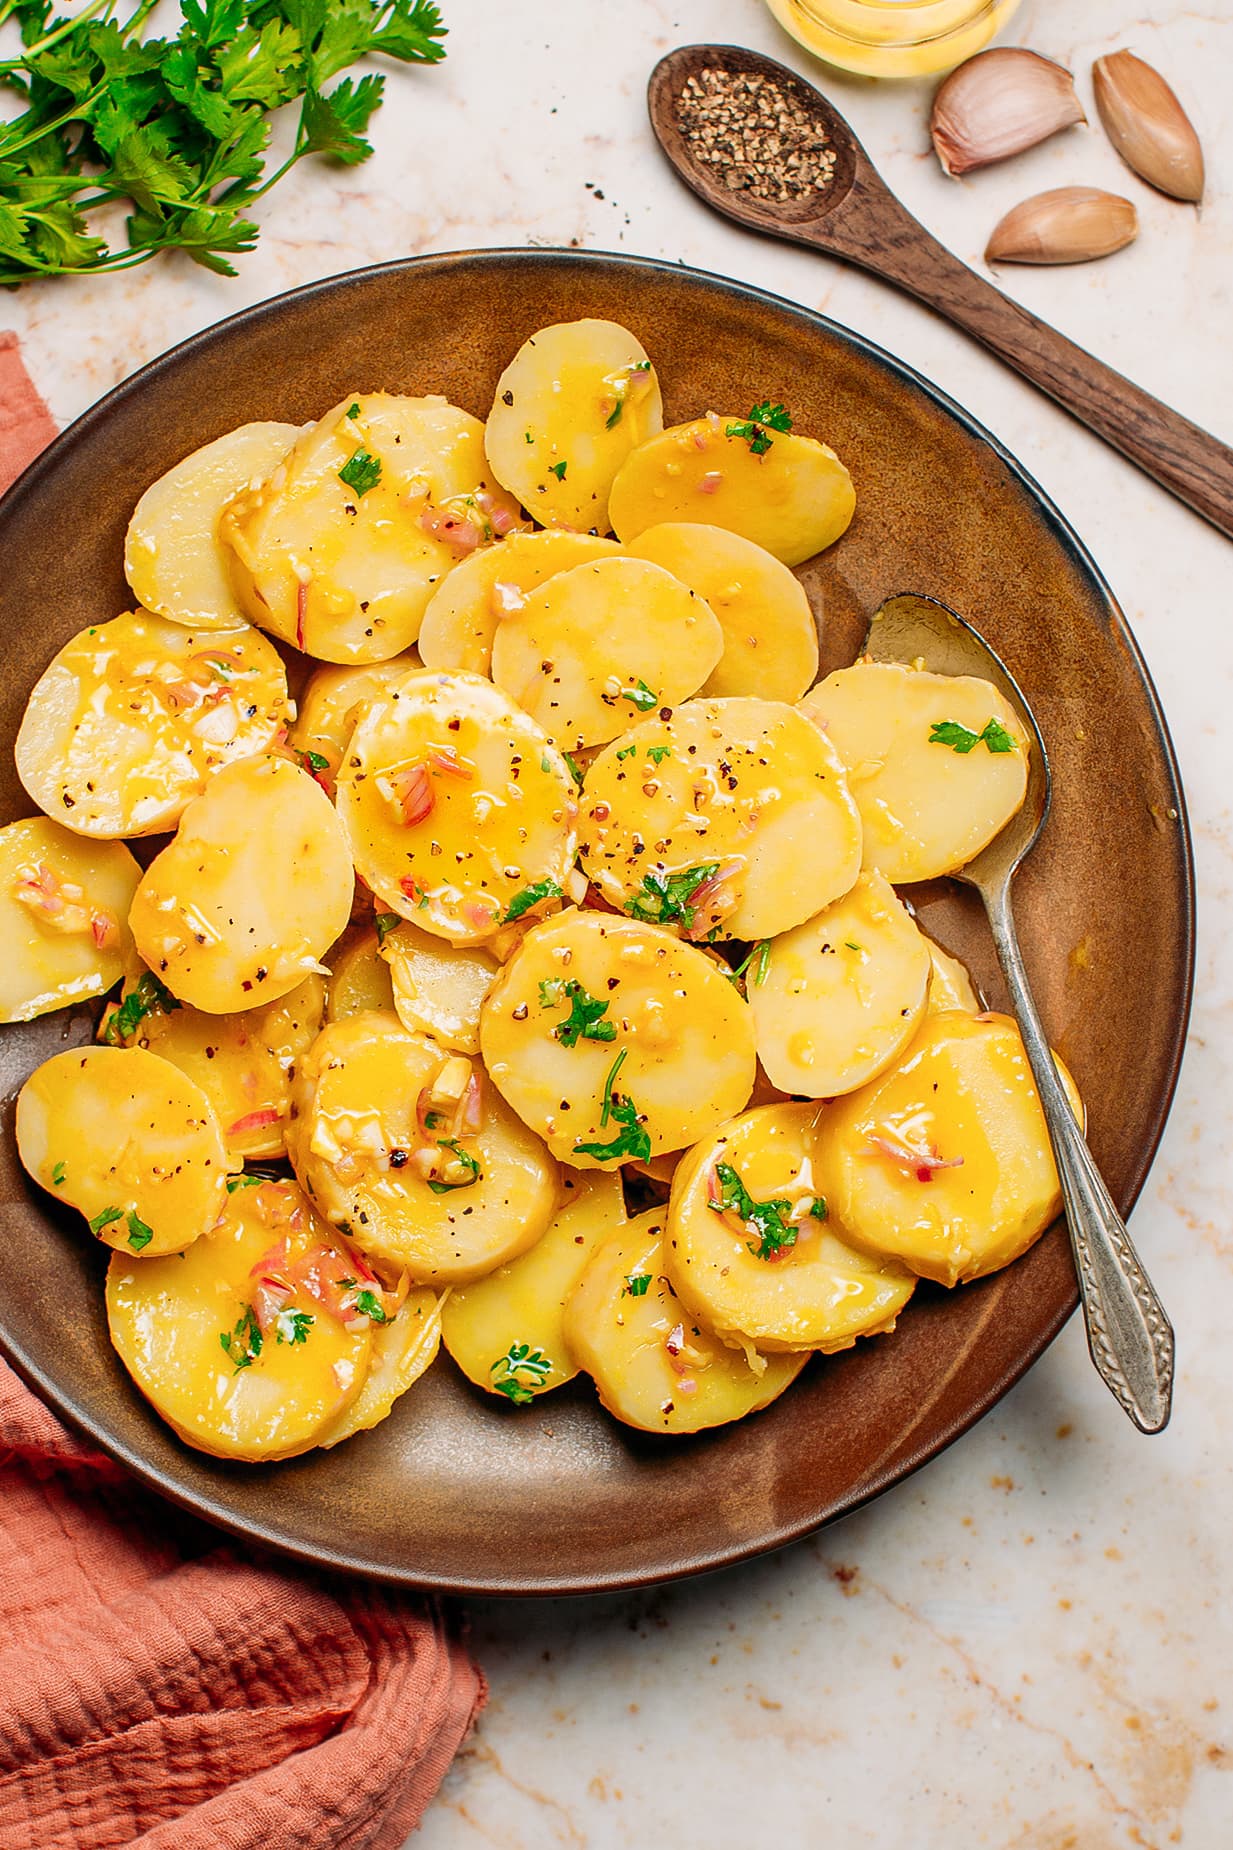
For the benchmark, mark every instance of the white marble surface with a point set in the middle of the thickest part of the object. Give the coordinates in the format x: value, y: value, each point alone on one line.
x: 1027, y: 1644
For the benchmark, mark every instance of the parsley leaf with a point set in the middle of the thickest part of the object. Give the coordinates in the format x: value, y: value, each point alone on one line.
x: 361, y: 472
x: 558, y: 469
x: 245, y: 1342
x: 368, y: 1305
x: 657, y: 753
x: 760, y: 957
x: 314, y: 761
x: 636, y: 1284
x: 664, y: 899
x: 146, y: 995
x: 58, y: 1174
x: 573, y: 767
x: 386, y: 922
x: 247, y: 1180
x: 585, y: 1021
x: 627, y: 751
x: 470, y: 1167
x: 640, y: 696
x: 632, y: 1140
x: 105, y: 1219
x: 767, y: 1219
x: 510, y: 1370
x: 819, y: 1210
x: 139, y: 1235
x: 292, y: 1326
x: 762, y: 418
x: 994, y: 737
x: 530, y: 896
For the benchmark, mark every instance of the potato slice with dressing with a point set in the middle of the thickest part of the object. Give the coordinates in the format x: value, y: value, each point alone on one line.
x: 794, y: 497
x: 472, y: 600
x: 332, y: 704
x: 438, y: 988
x: 654, y: 1365
x: 950, y: 986
x: 63, y: 917
x: 731, y: 817
x: 927, y: 805
x: 129, y: 1141
x: 173, y: 558
x: 944, y: 1162
x: 255, y: 885
x: 573, y: 402
x: 507, y: 1332
x: 842, y: 994
x: 248, y: 1345
x: 595, y: 648
x: 403, y: 1348
x: 426, y: 1165
x: 243, y: 1063
x: 459, y: 811
x: 339, y: 549
x: 753, y: 1251
x: 132, y: 718
x: 612, y: 1039
x: 770, y: 638
x: 359, y: 977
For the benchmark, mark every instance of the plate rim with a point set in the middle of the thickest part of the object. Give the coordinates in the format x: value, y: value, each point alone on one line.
x: 337, y: 1558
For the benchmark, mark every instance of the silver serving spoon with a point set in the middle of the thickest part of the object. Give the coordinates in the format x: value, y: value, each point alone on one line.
x: 1130, y: 1337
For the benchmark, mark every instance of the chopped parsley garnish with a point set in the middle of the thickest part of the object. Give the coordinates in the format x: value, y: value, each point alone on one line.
x: 313, y: 761
x: 572, y: 764
x: 361, y: 472
x: 851, y: 945
x: 632, y: 1140
x: 509, y: 1369
x: 640, y: 696
x: 819, y: 1210
x: 530, y: 896
x: 626, y: 751
x: 58, y: 1174
x: 218, y: 668
x: 545, y: 764
x: 767, y: 1219
x: 614, y: 416
x: 386, y: 922
x: 292, y: 1326
x: 105, y: 1219
x: 146, y: 995
x: 139, y: 1235
x: 762, y: 954
x: 636, y: 1284
x: 657, y: 753
x: 469, y: 1164
x: 664, y: 899
x: 585, y: 1021
x: 368, y: 1305
x: 527, y: 437
x: 762, y: 418
x: 558, y: 469
x: 243, y: 1344
x: 244, y: 1181
x: 993, y: 736
x: 353, y: 410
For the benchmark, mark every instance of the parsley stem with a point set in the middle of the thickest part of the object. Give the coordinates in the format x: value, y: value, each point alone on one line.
x: 613, y: 1070
x: 53, y: 38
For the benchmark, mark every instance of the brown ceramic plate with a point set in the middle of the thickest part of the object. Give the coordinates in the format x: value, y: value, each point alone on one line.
x: 458, y: 1492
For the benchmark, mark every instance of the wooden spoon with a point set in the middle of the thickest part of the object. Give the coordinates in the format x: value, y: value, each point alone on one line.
x: 855, y: 216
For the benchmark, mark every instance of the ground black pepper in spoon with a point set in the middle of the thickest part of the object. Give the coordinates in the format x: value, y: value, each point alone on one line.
x: 759, y: 156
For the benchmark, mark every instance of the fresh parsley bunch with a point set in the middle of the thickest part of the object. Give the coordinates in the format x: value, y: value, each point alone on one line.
x: 179, y: 126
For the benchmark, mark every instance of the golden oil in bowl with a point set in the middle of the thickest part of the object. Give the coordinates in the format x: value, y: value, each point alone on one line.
x: 893, y: 38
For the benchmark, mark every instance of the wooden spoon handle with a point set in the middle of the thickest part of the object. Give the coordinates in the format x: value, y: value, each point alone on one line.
x: 877, y: 233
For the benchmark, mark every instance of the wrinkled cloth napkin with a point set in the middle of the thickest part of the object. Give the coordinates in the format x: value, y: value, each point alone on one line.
x: 163, y: 1689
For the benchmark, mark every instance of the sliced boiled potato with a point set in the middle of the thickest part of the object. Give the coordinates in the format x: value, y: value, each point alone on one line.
x: 595, y: 648
x: 753, y: 1250
x: 944, y: 1162
x: 926, y: 806
x: 339, y: 549
x: 403, y: 1348
x: 248, y: 1345
x: 438, y: 988
x: 359, y: 976
x: 173, y: 558
x: 254, y: 886
x: 243, y: 1063
x: 730, y: 817
x: 572, y: 403
x: 770, y: 638
x: 474, y: 599
x: 129, y: 1141
x: 507, y: 1332
x: 133, y: 717
x: 613, y: 1040
x: 407, y: 1146
x: 842, y: 994
x: 459, y: 811
x: 950, y: 986
x: 331, y: 705
x: 64, y: 905
x: 793, y: 497
x: 655, y: 1365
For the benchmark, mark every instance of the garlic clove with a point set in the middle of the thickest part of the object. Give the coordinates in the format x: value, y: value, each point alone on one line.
x: 1148, y: 126
x: 1071, y: 224
x: 999, y: 103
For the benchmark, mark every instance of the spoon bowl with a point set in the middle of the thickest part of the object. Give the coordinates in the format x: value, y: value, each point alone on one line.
x: 1129, y: 1335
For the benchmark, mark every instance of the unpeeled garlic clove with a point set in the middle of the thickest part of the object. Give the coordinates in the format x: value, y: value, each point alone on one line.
x: 999, y: 103
x: 1148, y: 126
x: 1071, y: 224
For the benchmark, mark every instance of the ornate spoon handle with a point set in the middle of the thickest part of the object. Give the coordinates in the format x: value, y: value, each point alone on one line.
x: 1130, y: 1337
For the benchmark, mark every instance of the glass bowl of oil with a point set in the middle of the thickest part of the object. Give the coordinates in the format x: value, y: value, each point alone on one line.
x: 893, y: 38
